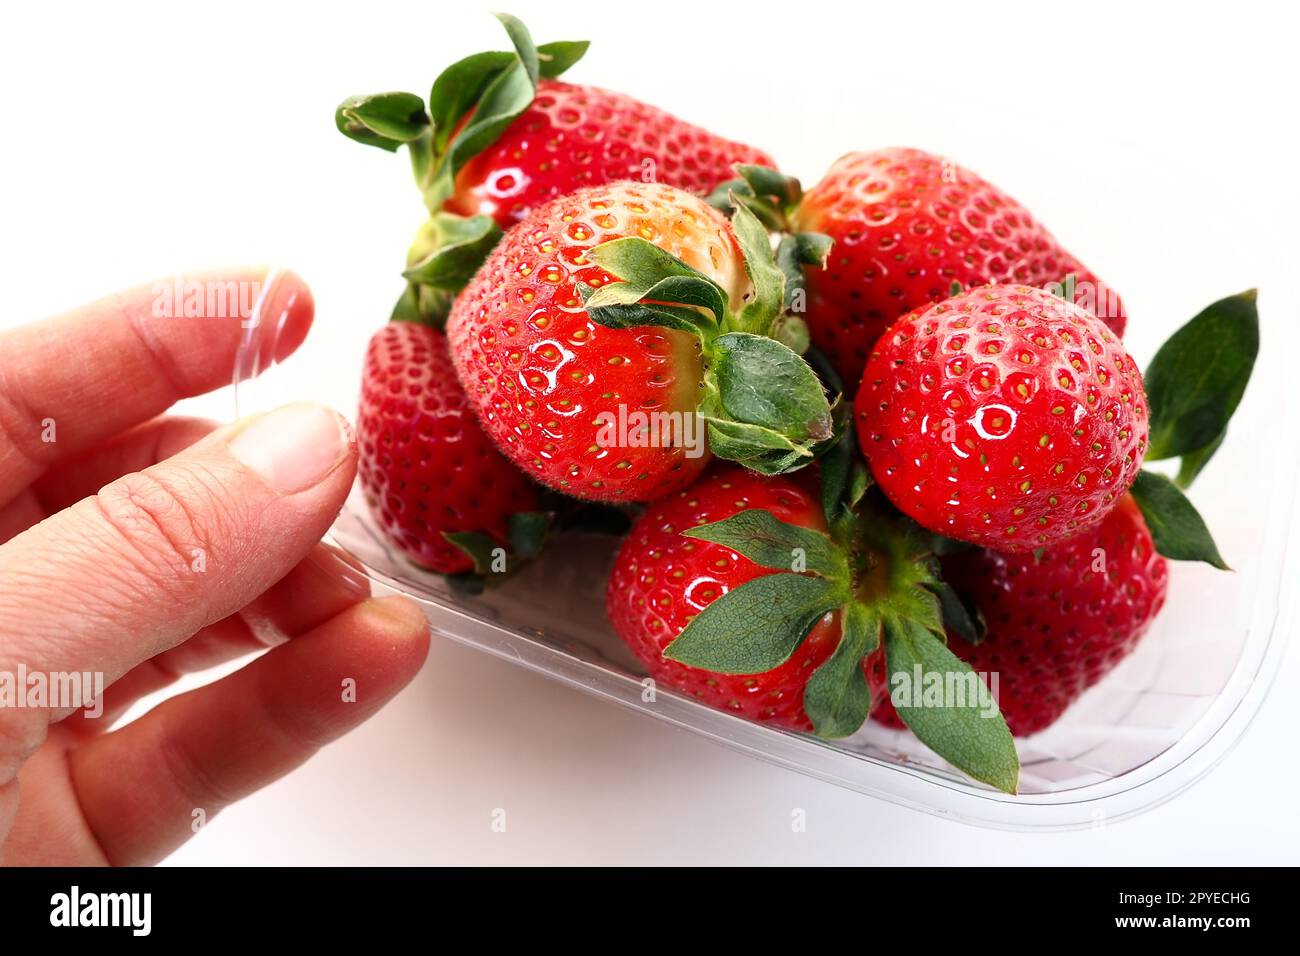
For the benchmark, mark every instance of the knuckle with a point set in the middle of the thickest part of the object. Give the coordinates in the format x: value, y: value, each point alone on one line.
x: 190, y: 778
x: 159, y: 523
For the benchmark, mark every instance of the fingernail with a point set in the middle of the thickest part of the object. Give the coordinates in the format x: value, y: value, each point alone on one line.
x: 294, y: 447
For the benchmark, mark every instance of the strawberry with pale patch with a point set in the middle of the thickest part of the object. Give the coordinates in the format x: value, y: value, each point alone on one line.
x: 635, y: 304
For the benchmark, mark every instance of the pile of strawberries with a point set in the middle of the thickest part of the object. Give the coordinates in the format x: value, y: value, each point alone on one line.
x: 881, y: 441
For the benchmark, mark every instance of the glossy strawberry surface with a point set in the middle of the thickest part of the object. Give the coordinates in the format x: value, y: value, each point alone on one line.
x: 425, y: 465
x: 906, y: 224
x: 1058, y: 624
x: 578, y: 136
x: 662, y: 579
x: 541, y: 373
x: 1003, y: 416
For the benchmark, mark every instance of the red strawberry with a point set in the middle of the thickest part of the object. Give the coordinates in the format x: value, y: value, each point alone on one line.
x: 574, y: 136
x: 500, y: 136
x: 426, y: 467
x: 737, y: 592
x: 907, y: 224
x: 1003, y: 416
x: 569, y: 394
x: 662, y: 579
x: 1058, y: 624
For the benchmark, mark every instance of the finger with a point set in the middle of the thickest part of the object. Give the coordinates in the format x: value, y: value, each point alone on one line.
x: 156, y: 555
x: 69, y: 481
x: 132, y: 450
x: 321, y: 586
x: 71, y: 382
x: 142, y: 787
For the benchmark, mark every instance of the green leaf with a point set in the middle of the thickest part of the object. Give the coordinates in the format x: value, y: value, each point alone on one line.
x: 756, y: 626
x: 505, y: 98
x: 962, y: 618
x: 721, y: 197
x: 792, y: 332
x: 860, y: 483
x: 836, y: 465
x: 459, y: 87
x: 527, y: 530
x: 1190, y: 465
x: 837, y: 698
x: 523, y: 43
x: 767, y: 280
x: 765, y: 540
x: 407, y: 308
x: 761, y: 382
x: 793, y: 253
x: 496, y: 87
x: 1197, y: 378
x: 649, y: 273
x: 478, y: 546
x: 1176, y: 527
x: 386, y: 120
x: 459, y: 247
x: 1063, y: 289
x: 423, y: 304
x: 555, y: 58
x: 765, y: 181
x: 667, y: 316
x: 759, y: 449
x: 676, y: 290
x: 964, y: 726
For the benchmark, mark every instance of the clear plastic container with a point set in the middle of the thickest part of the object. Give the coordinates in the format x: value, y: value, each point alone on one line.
x: 1155, y: 725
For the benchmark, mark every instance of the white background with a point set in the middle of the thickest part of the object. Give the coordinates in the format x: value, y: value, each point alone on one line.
x: 139, y: 140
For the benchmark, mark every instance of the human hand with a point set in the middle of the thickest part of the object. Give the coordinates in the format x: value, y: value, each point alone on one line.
x: 141, y: 548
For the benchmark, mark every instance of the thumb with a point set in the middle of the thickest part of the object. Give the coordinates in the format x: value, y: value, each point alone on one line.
x: 137, y: 568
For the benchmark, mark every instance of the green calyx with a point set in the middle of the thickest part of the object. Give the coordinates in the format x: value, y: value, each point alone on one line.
x: 1193, y: 386
x: 763, y: 405
x: 447, y: 251
x: 772, y: 198
x: 470, y: 105
x: 494, y: 562
x: 878, y: 571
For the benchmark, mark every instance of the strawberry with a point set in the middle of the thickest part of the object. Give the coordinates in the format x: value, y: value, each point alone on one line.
x: 662, y: 579
x: 436, y: 485
x: 608, y: 389
x: 1003, y: 416
x: 738, y: 592
x: 572, y: 136
x: 1056, y: 624
x: 500, y: 136
x: 906, y: 224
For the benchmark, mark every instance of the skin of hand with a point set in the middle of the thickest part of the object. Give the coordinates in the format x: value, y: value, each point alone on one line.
x: 142, y: 547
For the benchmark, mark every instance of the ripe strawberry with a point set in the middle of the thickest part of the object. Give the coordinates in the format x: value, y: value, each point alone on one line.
x: 662, y: 579
x: 739, y: 593
x: 425, y: 465
x: 907, y: 224
x: 601, y: 401
x: 1003, y: 416
x: 572, y: 136
x: 1058, y: 624
x: 501, y: 136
